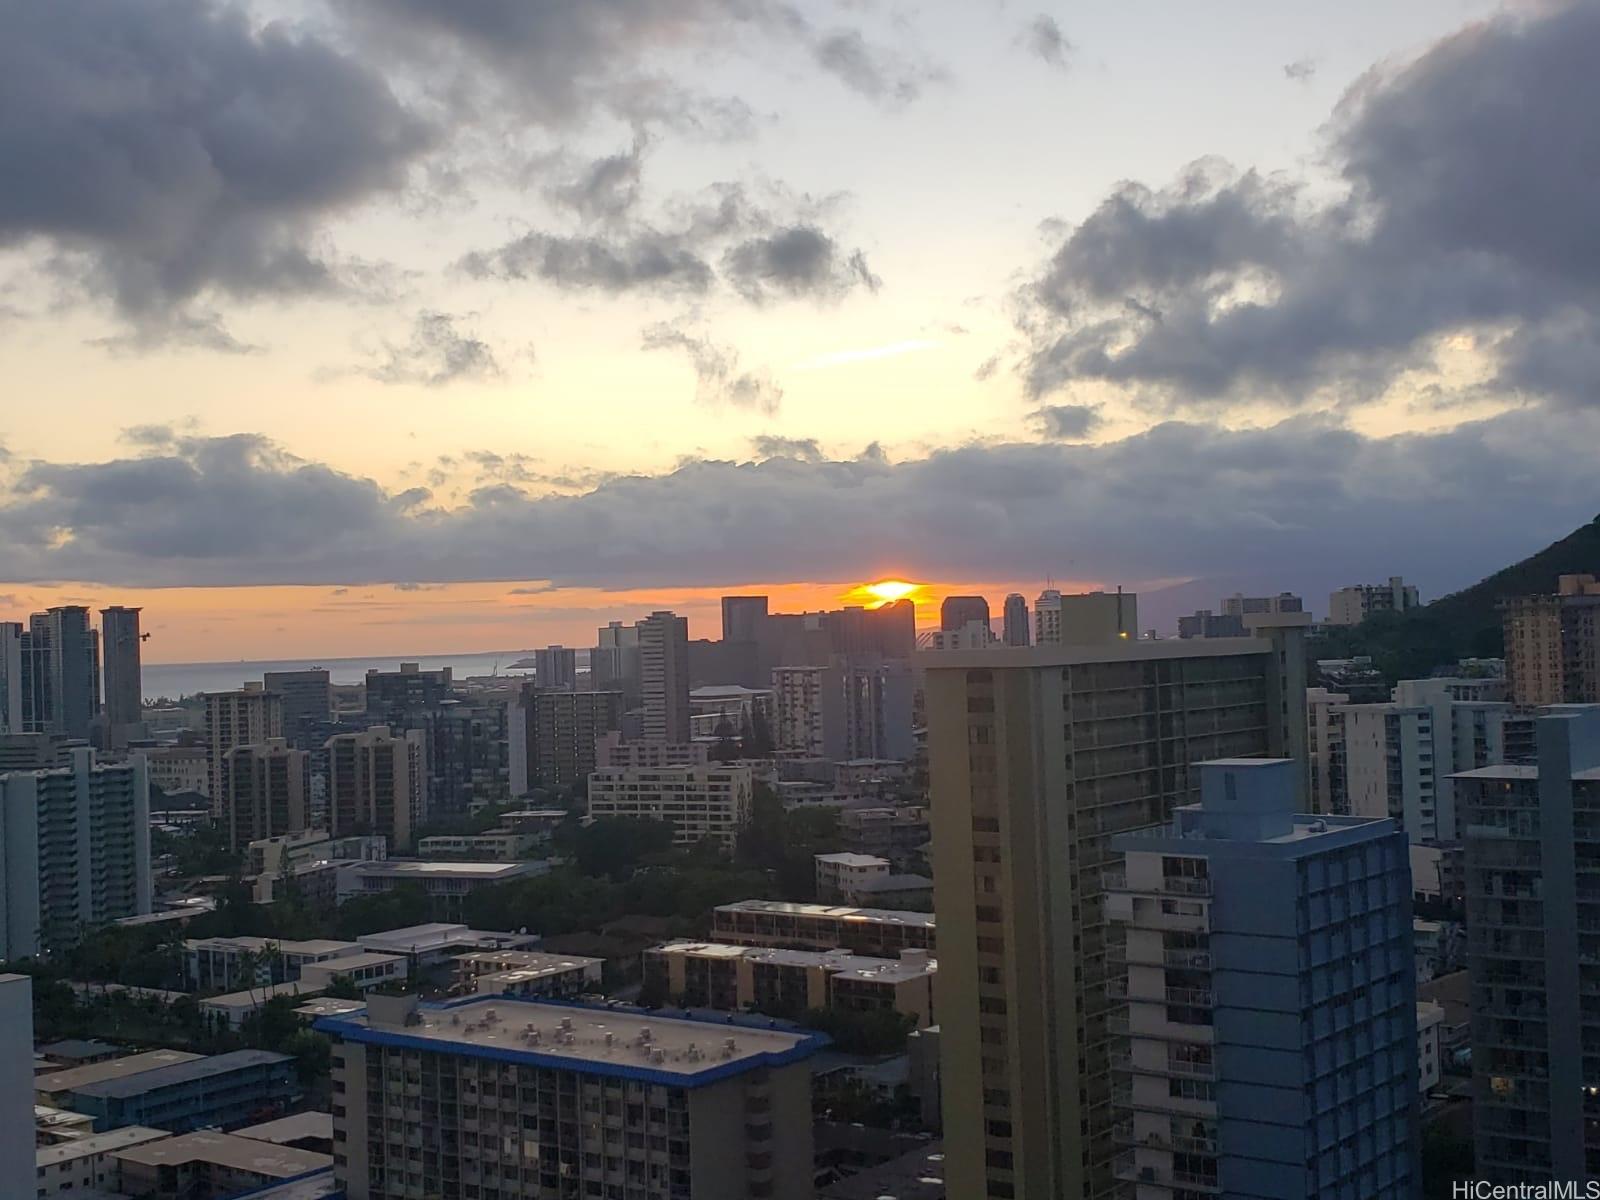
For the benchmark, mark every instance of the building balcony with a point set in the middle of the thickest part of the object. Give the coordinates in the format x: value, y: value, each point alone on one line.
x: 1171, y: 885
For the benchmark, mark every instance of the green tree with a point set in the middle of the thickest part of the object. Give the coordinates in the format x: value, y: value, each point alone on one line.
x: 342, y: 987
x: 615, y: 846
x: 880, y: 1031
x: 313, y: 1056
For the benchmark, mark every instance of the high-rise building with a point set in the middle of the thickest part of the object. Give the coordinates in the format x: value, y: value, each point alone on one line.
x: 466, y: 754
x: 552, y: 736
x: 1269, y: 1001
x: 555, y: 668
x: 1204, y: 623
x: 1533, y: 951
x: 378, y: 784
x: 12, y: 637
x: 614, y: 662
x: 63, y: 651
x: 957, y: 611
x: 1037, y: 757
x: 120, y: 645
x: 1396, y: 759
x: 707, y: 800
x: 266, y: 792
x: 307, y: 698
x: 852, y: 708
x: 1240, y: 605
x: 1553, y: 644
x: 1353, y: 605
x: 74, y: 851
x: 1016, y: 629
x: 1325, y: 750
x: 743, y: 618
x: 391, y: 695
x: 17, y: 1151
x: 1086, y: 619
x: 247, y: 717
x: 664, y: 676
x: 586, y: 1102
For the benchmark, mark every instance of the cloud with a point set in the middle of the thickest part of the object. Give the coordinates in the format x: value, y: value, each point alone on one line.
x: 1042, y: 36
x: 437, y: 353
x: 1066, y: 422
x: 605, y: 189
x: 767, y: 445
x: 770, y: 248
x: 800, y: 261
x: 172, y: 155
x: 1302, y: 70
x: 873, y: 71
x: 1471, y: 177
x: 718, y: 380
x: 1179, y: 500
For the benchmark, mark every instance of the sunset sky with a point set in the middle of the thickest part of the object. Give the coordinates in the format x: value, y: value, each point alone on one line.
x: 409, y: 326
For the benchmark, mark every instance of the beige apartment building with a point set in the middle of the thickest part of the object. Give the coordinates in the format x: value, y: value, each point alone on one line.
x: 378, y: 784
x: 706, y: 801
x: 246, y: 717
x: 266, y: 792
x: 785, y: 983
x: 884, y: 932
x: 510, y: 1098
x: 1553, y: 644
x: 1037, y: 757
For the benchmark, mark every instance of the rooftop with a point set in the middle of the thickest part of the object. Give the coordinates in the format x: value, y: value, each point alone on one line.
x: 538, y: 966
x: 354, y: 962
x: 847, y: 859
x: 1503, y: 771
x: 74, y: 1078
x: 228, y: 1150
x: 291, y: 1129
x: 407, y: 866
x: 1047, y: 656
x: 330, y: 1006
x: 842, y: 912
x: 250, y: 1000
x: 674, y: 1052
x: 314, y: 948
x: 416, y: 939
x: 96, y: 1143
x: 196, y: 1068
x: 76, y: 1048
x: 841, y: 962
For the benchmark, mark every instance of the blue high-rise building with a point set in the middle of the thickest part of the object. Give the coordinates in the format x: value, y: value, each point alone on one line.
x: 1269, y: 1026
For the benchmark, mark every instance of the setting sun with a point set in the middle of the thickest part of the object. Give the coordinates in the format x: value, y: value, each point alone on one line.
x: 887, y: 590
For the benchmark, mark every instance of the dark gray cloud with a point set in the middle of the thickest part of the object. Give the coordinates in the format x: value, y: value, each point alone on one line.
x: 798, y: 261
x: 436, y: 353
x: 1066, y: 422
x: 1472, y: 173
x: 1042, y: 36
x: 173, y: 154
x: 769, y: 248
x: 605, y: 189
x: 719, y: 382
x: 1179, y: 500
x: 1302, y: 70
x: 768, y: 445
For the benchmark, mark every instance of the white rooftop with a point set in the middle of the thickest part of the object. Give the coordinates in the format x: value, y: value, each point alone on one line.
x: 393, y: 866
x: 249, y: 1001
x: 886, y: 916
x: 840, y: 962
x: 315, y: 948
x: 848, y: 859
x: 587, y: 1037
x: 98, y: 1143
x: 228, y: 1150
x: 291, y: 1128
x: 420, y: 939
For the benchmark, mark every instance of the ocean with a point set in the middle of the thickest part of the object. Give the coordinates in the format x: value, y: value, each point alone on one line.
x: 171, y: 680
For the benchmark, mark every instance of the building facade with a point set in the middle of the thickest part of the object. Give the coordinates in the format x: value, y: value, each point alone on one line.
x: 1086, y: 619
x: 378, y: 784
x: 120, y: 649
x: 1266, y: 1023
x: 699, y: 802
x: 250, y: 716
x: 1533, y: 951
x: 1037, y: 758
x: 876, y: 932
x: 74, y: 849
x: 306, y: 698
x: 1015, y: 627
x: 552, y: 735
x: 957, y: 612
x: 1553, y: 644
x: 510, y: 1098
x: 1353, y: 605
x: 61, y: 672
x: 664, y: 676
x: 266, y: 792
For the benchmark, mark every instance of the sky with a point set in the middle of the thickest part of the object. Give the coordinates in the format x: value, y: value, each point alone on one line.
x: 409, y: 326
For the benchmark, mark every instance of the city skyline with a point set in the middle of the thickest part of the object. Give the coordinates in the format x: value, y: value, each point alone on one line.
x: 743, y: 277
